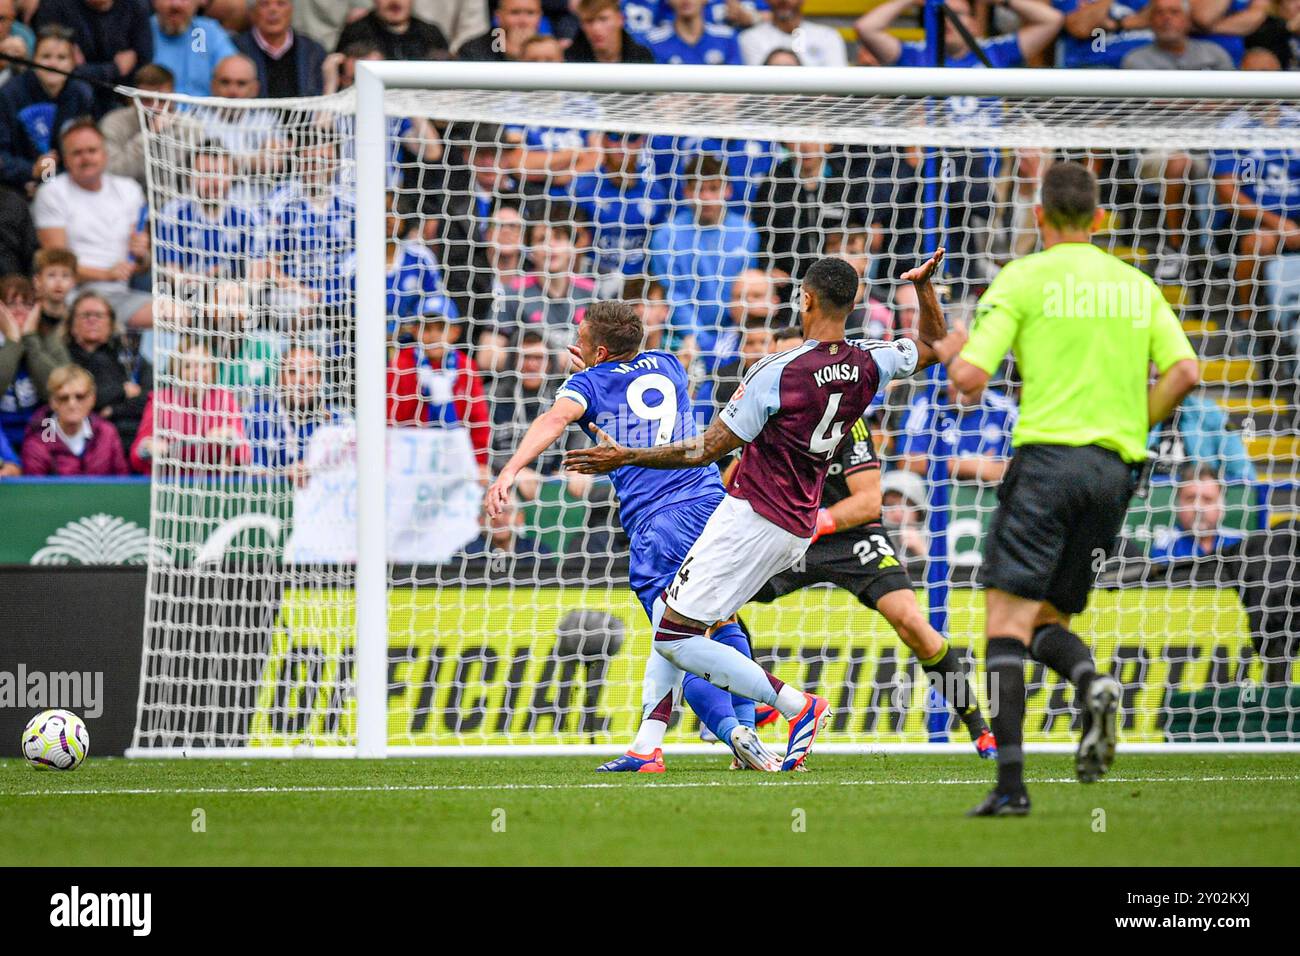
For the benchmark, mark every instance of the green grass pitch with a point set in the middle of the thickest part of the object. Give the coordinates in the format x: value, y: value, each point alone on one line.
x: 880, y: 809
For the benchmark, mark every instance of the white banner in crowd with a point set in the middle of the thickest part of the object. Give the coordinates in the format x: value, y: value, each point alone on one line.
x: 434, y: 498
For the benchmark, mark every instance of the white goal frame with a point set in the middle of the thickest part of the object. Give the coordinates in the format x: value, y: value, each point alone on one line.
x: 375, y: 79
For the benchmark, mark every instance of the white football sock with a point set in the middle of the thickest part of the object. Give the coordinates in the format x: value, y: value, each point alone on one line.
x: 721, y: 666
x: 790, y: 702
x: 649, y: 738
x: 662, y: 677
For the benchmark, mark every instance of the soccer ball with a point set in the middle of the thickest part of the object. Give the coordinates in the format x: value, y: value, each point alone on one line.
x: 55, y: 740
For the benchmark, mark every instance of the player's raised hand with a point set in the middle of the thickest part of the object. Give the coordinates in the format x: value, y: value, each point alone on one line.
x: 575, y: 357
x: 923, y: 272
x: 598, y: 459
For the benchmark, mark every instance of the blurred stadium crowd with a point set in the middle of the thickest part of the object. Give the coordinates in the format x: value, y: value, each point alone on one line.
x: 499, y: 236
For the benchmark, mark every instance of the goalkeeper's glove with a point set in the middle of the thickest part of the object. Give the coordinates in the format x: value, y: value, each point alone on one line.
x: 825, y: 524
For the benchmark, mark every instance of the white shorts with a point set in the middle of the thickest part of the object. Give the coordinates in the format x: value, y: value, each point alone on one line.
x: 735, y: 555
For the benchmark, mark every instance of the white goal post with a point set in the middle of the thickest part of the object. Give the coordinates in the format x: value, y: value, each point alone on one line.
x: 1043, y: 110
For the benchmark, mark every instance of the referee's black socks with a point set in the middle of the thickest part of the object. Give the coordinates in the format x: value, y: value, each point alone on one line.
x: 1064, y: 652
x: 1004, y: 664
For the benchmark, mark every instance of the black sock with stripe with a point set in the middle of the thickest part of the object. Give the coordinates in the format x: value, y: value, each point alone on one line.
x: 1004, y: 665
x: 948, y: 677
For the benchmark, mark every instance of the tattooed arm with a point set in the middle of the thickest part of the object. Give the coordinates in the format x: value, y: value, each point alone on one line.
x: 694, y: 452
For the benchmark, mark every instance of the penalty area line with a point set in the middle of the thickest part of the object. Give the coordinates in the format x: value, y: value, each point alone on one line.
x: 685, y: 785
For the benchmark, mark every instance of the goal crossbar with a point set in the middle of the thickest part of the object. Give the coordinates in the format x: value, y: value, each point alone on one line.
x: 819, y: 81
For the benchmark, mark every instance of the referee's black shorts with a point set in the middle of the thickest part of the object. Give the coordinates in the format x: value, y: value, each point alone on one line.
x: 1059, y: 509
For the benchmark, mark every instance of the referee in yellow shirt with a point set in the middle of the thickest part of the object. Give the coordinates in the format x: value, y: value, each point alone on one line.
x: 1084, y: 328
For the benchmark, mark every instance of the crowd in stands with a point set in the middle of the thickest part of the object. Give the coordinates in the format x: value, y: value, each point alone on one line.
x: 499, y: 237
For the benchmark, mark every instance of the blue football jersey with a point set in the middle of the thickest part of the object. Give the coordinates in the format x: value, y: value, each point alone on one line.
x: 640, y: 17
x: 715, y: 12
x: 1268, y: 176
x: 643, y: 403
x: 716, y: 46
x: 748, y: 162
x: 312, y: 237
x: 1088, y: 53
x: 622, y: 217
x: 208, y: 241
x: 1003, y: 52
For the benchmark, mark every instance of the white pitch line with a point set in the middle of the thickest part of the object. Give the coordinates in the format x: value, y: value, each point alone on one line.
x: 693, y: 785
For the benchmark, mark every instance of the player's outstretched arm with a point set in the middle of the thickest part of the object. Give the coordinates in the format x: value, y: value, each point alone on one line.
x: 937, y: 344
x: 549, y: 426
x: 693, y: 452
x: 931, y: 328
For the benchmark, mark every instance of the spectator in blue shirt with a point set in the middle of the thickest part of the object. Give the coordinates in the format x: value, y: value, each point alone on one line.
x: 746, y: 162
x: 622, y: 205
x: 310, y: 228
x: 698, y: 255
x: 1229, y: 22
x: 970, y: 174
x: 279, y: 426
x: 1124, y: 25
x: 210, y: 235
x: 1040, y: 25
x: 190, y: 46
x: 641, y: 16
x: 11, y: 465
x: 1198, y: 513
x: 733, y: 13
x: 689, y: 38
x: 1257, y: 190
x: 415, y: 284
x: 34, y: 106
x: 974, y: 436
x: 545, y: 151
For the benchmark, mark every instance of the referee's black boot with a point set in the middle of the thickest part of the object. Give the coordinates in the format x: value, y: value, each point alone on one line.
x: 1097, y: 744
x: 998, y: 804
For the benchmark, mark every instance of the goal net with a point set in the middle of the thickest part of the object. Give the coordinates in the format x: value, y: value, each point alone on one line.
x: 506, y: 213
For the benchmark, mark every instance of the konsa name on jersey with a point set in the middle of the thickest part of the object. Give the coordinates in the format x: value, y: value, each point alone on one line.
x: 844, y: 372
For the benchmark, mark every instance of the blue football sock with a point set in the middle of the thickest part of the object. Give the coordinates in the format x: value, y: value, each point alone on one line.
x: 712, y: 705
x: 733, y: 636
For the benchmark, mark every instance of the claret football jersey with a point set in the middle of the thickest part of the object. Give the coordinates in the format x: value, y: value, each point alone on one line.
x: 796, y: 409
